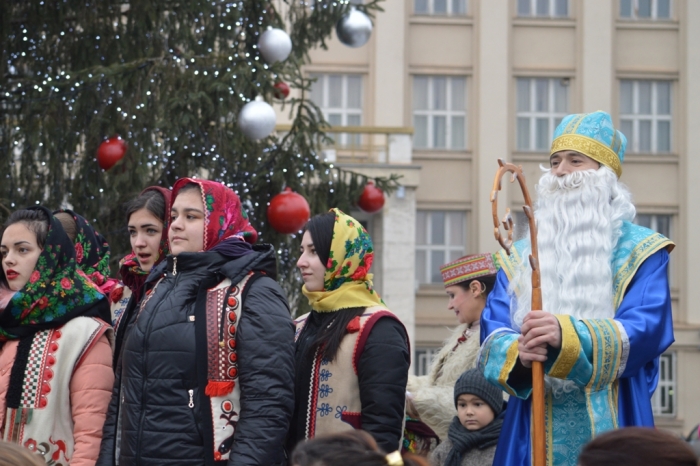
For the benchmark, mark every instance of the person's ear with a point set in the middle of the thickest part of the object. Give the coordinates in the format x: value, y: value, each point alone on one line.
x: 477, y: 288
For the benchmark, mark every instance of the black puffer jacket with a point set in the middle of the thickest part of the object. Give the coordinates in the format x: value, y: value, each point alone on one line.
x: 149, y: 421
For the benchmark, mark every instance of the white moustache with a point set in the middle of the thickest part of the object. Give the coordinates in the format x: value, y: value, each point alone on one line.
x: 550, y: 183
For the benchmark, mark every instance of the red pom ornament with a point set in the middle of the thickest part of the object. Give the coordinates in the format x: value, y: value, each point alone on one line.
x: 110, y: 152
x: 372, y: 198
x: 288, y: 212
x: 281, y: 90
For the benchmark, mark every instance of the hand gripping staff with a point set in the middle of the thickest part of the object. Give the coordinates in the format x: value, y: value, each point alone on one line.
x: 538, y: 436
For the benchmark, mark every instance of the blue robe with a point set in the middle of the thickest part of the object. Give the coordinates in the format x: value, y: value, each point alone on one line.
x: 613, y: 362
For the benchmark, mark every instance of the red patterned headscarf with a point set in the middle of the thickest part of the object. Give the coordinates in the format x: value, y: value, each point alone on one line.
x: 224, y: 215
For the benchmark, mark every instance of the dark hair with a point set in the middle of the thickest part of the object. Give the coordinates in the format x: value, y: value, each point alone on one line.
x: 36, y: 221
x: 152, y: 200
x: 639, y: 446
x: 351, y: 448
x: 489, y: 281
x: 320, y: 227
x: 68, y: 223
x: 191, y: 186
x: 15, y: 455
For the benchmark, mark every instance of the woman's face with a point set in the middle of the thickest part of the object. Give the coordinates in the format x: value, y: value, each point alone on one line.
x: 310, y: 265
x: 20, y: 252
x: 466, y: 304
x: 145, y: 232
x: 186, y: 232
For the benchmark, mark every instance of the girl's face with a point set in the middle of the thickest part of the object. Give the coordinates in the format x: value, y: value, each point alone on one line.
x: 186, y: 232
x: 466, y: 304
x: 145, y: 232
x: 20, y: 252
x: 312, y: 270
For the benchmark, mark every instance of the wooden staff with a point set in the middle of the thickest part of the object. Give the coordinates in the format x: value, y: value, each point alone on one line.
x: 538, y: 431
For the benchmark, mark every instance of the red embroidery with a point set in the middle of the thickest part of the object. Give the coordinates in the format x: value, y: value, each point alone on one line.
x: 354, y: 325
x: 116, y: 294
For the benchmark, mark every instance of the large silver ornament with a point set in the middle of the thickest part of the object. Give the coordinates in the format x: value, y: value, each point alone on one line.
x: 257, y: 119
x: 275, y: 45
x: 354, y: 28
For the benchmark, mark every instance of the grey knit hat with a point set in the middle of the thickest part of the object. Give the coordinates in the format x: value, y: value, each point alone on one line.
x: 473, y: 382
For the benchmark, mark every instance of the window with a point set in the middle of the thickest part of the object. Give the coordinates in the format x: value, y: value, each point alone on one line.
x: 658, y: 223
x: 645, y: 115
x: 439, y: 112
x: 521, y: 224
x: 543, y: 8
x: 542, y: 104
x: 440, y: 239
x: 663, y: 401
x: 440, y: 7
x: 645, y: 9
x: 424, y: 358
x: 340, y: 98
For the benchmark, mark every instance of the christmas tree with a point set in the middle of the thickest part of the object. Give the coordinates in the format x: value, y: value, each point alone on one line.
x: 170, y: 78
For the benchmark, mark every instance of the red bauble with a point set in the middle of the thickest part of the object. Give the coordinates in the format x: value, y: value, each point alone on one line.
x: 288, y: 212
x: 372, y: 198
x: 281, y: 90
x: 110, y: 152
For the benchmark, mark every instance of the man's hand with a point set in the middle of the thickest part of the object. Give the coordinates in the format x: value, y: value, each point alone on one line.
x: 527, y: 355
x: 539, y: 329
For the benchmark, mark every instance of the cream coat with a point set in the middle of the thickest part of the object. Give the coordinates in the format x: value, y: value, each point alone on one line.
x: 433, y: 394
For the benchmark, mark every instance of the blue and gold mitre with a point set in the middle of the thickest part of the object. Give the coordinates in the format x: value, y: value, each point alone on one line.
x: 593, y: 135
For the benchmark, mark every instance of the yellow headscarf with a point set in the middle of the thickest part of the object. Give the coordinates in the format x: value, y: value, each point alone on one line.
x: 346, y: 282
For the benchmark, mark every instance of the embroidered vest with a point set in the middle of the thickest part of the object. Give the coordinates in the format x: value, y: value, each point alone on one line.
x: 43, y: 422
x: 334, y: 403
x: 121, y: 295
x: 224, y: 304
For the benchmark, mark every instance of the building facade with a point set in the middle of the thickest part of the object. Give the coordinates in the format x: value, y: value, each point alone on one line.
x: 478, y: 80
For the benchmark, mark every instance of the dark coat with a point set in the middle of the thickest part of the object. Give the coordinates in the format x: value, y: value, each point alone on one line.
x: 158, y: 372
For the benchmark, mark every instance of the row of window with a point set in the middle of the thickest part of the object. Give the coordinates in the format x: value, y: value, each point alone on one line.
x: 440, y: 110
x: 441, y: 237
x: 654, y: 10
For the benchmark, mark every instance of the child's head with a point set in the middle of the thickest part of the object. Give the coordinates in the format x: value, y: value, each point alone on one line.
x: 350, y: 448
x: 478, y: 402
x: 640, y: 446
x: 15, y: 455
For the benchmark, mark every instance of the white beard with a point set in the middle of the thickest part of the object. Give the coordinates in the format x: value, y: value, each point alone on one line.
x: 579, y: 219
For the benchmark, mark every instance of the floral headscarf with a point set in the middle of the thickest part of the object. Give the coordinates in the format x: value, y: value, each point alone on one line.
x: 347, y: 281
x: 91, y: 252
x: 130, y: 270
x: 224, y: 215
x: 56, y: 292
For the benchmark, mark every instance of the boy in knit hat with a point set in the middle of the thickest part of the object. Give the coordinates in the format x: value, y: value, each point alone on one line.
x: 473, y: 433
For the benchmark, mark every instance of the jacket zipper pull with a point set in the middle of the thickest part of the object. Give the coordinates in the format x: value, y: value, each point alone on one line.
x: 174, y: 265
x: 191, y: 403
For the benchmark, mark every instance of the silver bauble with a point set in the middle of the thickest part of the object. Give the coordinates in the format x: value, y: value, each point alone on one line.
x: 275, y: 45
x: 354, y: 28
x: 257, y: 120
